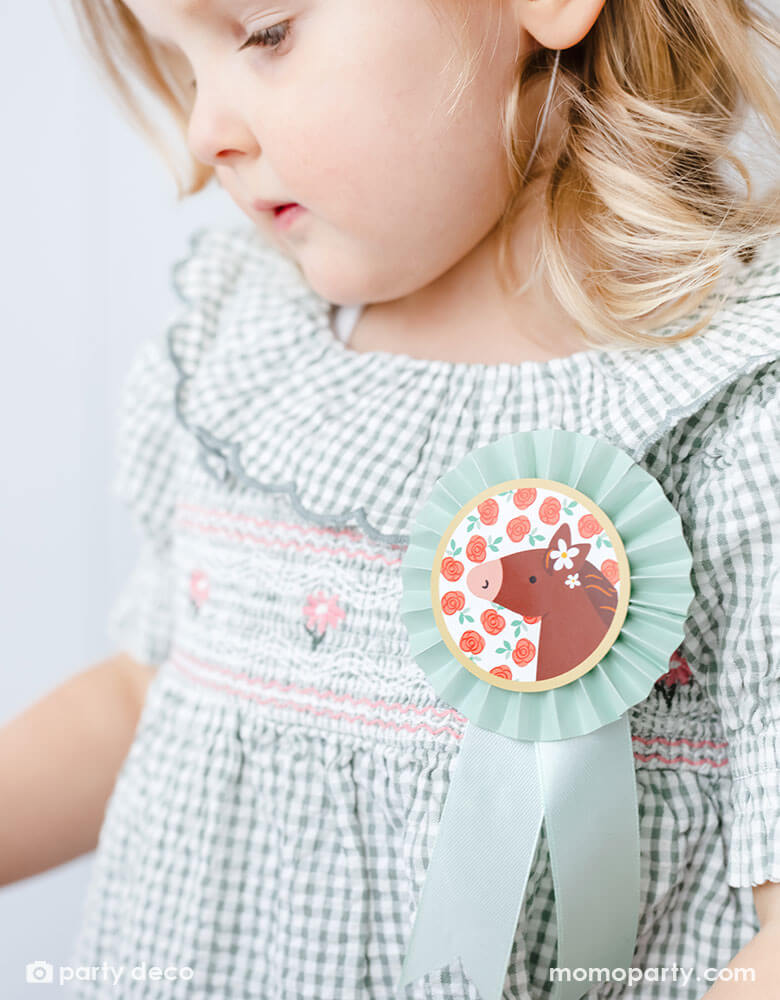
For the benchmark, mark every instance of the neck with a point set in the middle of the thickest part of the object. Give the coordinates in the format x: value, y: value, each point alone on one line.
x: 466, y: 316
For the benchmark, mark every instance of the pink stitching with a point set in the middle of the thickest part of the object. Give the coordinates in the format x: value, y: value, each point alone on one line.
x: 383, y: 724
x: 681, y: 740
x: 245, y: 536
x: 320, y: 692
x: 307, y: 708
x: 678, y: 760
x: 267, y: 523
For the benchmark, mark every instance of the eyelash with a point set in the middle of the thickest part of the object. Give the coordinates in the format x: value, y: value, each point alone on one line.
x: 270, y: 38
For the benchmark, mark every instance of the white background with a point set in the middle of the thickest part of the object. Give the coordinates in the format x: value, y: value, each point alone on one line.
x: 90, y: 225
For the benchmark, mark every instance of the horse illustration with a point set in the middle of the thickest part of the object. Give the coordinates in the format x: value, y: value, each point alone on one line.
x: 574, y: 599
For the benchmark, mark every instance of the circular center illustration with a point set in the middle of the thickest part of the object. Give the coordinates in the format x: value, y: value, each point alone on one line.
x: 530, y: 584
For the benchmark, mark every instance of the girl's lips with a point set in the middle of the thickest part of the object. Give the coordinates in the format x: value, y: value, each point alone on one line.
x: 262, y: 205
x: 285, y: 215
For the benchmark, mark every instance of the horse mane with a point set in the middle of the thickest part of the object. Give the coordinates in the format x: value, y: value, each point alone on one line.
x: 600, y: 591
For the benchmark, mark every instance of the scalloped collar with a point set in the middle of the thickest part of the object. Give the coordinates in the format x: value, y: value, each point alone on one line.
x: 276, y: 400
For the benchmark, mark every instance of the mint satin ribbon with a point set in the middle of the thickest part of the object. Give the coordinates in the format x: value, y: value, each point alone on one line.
x: 501, y: 789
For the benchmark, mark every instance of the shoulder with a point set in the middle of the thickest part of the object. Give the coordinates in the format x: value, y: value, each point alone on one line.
x: 726, y: 454
x: 663, y: 400
x: 746, y: 323
x: 720, y: 466
x: 229, y: 277
x: 750, y: 310
x: 743, y: 406
x: 226, y: 282
x: 735, y: 434
x: 146, y: 438
x: 222, y: 263
x: 720, y: 451
x: 214, y: 260
x: 726, y: 372
x: 750, y: 313
x: 217, y: 264
x: 725, y: 462
x: 760, y: 276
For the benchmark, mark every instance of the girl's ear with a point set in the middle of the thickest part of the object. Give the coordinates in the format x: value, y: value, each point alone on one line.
x: 557, y: 24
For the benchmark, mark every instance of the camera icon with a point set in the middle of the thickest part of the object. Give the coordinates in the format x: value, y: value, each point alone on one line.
x: 40, y: 972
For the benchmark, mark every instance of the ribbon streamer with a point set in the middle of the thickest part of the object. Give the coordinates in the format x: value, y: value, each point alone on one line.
x: 584, y: 788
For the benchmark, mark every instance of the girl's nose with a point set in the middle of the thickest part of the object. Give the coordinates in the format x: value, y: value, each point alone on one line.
x: 217, y: 134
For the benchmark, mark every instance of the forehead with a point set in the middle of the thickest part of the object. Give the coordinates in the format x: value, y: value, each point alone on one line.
x: 187, y: 6
x: 158, y: 17
x: 170, y: 8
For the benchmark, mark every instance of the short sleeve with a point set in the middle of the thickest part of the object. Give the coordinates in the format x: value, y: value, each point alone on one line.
x: 140, y: 620
x: 152, y: 429
x: 730, y: 503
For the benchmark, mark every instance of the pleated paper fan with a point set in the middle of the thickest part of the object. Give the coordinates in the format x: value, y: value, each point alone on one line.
x: 569, y: 652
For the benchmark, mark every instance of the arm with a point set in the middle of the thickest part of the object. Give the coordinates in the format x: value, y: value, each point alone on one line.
x: 58, y: 763
x: 767, y: 899
x: 761, y: 953
x: 731, y: 512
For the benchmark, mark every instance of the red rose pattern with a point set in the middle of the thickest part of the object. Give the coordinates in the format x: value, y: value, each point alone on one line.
x: 518, y: 528
x: 472, y: 642
x: 588, y: 526
x: 492, y: 621
x: 475, y: 551
x: 476, y: 548
x: 523, y: 652
x: 524, y: 498
x: 488, y: 511
x: 550, y: 510
x: 451, y: 569
x: 453, y: 600
x: 610, y: 570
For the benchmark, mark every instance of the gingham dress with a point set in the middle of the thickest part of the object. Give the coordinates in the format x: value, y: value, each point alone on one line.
x: 273, y: 821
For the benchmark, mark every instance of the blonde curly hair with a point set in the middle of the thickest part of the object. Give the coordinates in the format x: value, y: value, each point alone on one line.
x: 640, y: 217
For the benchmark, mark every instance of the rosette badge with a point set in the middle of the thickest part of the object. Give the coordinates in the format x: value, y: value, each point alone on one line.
x: 545, y: 586
x: 540, y: 605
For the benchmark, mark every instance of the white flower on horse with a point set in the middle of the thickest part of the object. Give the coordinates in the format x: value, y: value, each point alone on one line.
x: 572, y: 580
x: 563, y: 557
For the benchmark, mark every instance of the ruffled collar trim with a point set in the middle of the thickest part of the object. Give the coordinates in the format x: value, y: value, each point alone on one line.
x: 276, y: 400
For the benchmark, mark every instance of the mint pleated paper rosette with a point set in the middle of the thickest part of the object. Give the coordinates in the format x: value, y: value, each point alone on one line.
x: 545, y: 586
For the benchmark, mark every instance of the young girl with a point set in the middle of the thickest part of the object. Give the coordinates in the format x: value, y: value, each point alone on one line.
x: 500, y: 216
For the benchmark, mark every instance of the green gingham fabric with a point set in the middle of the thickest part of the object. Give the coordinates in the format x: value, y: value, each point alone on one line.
x: 272, y: 823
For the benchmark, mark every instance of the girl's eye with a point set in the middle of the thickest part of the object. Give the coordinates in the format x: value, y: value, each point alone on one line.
x: 270, y: 38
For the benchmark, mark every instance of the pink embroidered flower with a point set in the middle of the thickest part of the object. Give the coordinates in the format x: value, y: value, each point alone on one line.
x: 199, y: 588
x: 679, y: 673
x: 322, y: 611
